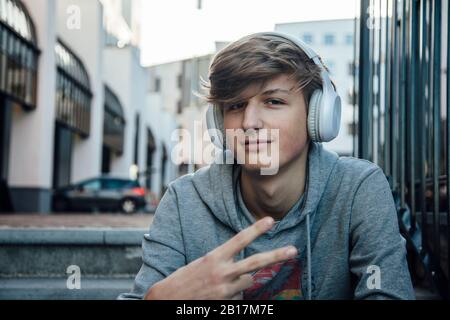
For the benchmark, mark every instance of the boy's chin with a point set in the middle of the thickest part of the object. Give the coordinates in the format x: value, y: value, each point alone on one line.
x: 255, y: 168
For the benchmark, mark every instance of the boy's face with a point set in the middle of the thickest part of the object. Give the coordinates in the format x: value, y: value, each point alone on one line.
x: 280, y: 110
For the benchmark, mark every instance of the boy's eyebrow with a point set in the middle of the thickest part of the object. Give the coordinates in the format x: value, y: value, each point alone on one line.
x: 265, y: 93
x: 272, y: 91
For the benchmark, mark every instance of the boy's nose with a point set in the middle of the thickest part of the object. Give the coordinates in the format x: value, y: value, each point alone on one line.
x: 252, y: 117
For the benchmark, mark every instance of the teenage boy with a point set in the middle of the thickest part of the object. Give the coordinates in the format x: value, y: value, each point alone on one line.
x: 322, y: 227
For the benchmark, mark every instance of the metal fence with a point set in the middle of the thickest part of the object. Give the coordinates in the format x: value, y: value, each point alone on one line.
x: 402, y: 108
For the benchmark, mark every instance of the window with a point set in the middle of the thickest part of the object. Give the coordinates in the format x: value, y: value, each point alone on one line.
x: 349, y: 39
x: 351, y: 97
x: 92, y: 185
x: 351, y: 68
x: 157, y: 84
x: 351, y: 128
x: 113, y: 122
x: 329, y: 39
x: 137, y: 130
x: 117, y: 184
x: 180, y: 81
x: 308, y: 38
x: 18, y: 54
x: 73, y: 95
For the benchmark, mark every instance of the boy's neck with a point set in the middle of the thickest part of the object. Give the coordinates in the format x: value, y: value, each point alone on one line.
x: 274, y: 195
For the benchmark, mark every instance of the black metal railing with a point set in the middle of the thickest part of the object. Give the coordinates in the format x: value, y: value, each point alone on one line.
x: 402, y: 85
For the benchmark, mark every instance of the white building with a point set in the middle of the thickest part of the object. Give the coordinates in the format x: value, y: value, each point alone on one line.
x: 333, y: 40
x: 173, y: 90
x: 81, y: 107
x: 27, y: 121
x: 192, y: 116
x: 163, y: 96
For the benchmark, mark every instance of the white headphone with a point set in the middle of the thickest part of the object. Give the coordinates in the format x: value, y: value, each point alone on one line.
x: 324, y: 115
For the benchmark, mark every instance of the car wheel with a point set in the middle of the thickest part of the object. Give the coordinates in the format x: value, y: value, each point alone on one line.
x: 128, y: 206
x: 60, y: 205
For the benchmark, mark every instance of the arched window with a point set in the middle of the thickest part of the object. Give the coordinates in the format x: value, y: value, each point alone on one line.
x: 18, y: 54
x: 151, y: 148
x: 73, y: 95
x: 114, y: 123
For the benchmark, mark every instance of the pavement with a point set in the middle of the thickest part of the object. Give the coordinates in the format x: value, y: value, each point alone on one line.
x: 54, y: 221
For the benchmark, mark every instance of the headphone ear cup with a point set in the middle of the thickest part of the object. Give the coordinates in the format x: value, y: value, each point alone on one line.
x: 313, y: 115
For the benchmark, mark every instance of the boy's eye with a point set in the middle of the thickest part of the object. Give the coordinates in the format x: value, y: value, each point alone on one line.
x: 274, y: 102
x: 235, y: 106
x: 240, y: 105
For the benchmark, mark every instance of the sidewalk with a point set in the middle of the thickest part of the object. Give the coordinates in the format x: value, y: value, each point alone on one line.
x: 139, y: 221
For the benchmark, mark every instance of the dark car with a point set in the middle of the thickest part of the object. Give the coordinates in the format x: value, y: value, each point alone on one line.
x: 100, y: 194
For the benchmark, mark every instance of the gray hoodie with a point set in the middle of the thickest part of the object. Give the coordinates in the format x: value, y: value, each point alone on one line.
x: 344, y: 227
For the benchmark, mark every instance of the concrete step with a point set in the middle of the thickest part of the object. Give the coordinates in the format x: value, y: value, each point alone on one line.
x: 48, y: 253
x: 93, y: 289
x: 56, y: 288
x: 35, y: 264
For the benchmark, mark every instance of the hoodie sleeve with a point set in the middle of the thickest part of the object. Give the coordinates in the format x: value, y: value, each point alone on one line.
x: 377, y: 250
x: 163, y: 248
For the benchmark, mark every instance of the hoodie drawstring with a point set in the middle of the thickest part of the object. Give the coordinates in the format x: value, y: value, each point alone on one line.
x: 308, y: 236
x: 308, y: 255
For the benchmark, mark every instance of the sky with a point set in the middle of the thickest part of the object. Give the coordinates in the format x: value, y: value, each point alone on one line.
x: 176, y: 29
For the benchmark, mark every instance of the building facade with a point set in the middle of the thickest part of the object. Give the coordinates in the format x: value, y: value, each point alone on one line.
x: 73, y: 98
x: 174, y: 88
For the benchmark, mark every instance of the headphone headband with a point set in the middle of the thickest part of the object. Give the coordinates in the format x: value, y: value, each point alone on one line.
x: 299, y: 43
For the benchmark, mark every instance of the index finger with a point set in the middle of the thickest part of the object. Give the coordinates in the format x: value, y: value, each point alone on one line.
x: 236, y: 244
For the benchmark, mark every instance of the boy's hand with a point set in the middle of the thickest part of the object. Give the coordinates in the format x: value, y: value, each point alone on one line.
x: 216, y: 275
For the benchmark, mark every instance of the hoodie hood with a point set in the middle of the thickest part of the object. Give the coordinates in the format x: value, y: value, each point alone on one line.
x: 221, y: 178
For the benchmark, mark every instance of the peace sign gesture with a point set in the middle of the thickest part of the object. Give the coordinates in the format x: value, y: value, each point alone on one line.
x: 216, y: 275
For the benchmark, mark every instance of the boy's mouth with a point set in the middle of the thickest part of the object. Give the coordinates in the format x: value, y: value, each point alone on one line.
x: 250, y: 142
x: 256, y: 144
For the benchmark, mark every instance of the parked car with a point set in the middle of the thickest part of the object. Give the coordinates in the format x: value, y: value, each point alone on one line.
x: 101, y: 194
